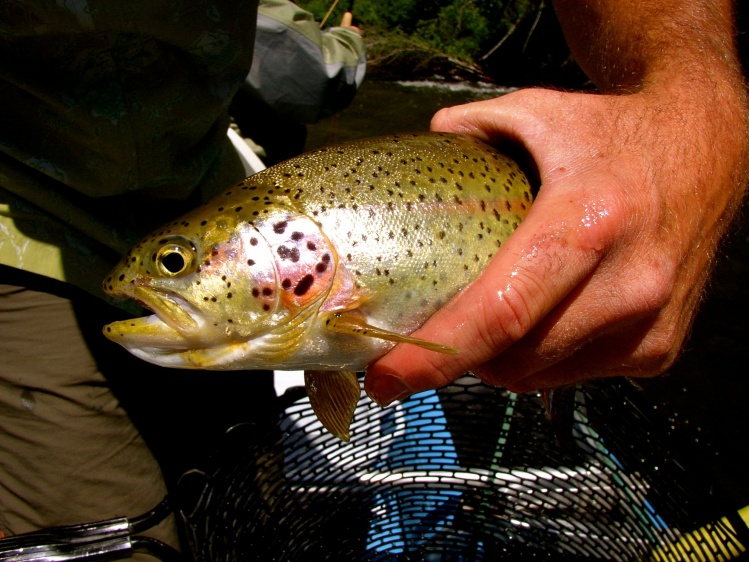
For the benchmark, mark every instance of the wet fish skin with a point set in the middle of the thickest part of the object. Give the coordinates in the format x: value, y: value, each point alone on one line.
x: 323, y: 262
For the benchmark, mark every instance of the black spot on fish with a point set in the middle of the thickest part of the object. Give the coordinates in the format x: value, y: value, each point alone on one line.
x: 250, y: 262
x: 253, y: 241
x: 286, y: 284
x: 296, y: 236
x: 288, y: 253
x: 280, y: 227
x: 304, y: 285
x: 255, y: 292
x: 267, y: 291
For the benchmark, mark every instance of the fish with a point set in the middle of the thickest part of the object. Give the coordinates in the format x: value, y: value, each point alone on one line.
x: 323, y: 262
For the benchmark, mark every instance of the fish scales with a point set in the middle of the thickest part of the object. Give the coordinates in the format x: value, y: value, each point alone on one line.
x: 323, y: 261
x: 413, y: 218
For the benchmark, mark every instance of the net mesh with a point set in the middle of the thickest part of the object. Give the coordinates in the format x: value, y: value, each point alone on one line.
x: 467, y: 472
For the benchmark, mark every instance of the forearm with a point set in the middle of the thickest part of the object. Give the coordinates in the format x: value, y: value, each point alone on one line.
x: 627, y: 45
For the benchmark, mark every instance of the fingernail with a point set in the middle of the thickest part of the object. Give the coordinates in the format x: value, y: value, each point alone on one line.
x: 385, y: 389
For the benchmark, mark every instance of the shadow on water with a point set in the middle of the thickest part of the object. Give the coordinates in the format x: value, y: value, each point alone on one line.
x: 705, y: 397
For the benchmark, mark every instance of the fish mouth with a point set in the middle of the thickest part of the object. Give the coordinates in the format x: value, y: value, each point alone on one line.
x: 174, y: 325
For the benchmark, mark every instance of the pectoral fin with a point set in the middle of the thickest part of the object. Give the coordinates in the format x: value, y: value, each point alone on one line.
x: 333, y: 396
x: 353, y: 324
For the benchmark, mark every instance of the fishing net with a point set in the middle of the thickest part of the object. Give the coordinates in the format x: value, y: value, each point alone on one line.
x: 465, y: 473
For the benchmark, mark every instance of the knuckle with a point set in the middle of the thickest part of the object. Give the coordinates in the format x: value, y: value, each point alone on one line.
x: 659, y: 351
x: 652, y: 289
x: 511, y: 316
x: 602, y: 221
x: 440, y: 373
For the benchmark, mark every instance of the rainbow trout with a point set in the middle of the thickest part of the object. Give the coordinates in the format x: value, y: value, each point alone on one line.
x: 323, y: 262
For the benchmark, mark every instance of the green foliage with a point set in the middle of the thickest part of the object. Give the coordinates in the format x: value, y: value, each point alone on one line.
x: 460, y: 29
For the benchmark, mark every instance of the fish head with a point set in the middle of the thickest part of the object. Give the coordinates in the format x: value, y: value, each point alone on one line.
x: 220, y: 281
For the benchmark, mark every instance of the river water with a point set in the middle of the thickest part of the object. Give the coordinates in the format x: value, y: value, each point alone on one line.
x: 394, y: 107
x: 704, y: 398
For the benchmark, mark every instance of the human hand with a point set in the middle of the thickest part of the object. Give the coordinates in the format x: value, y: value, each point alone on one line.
x: 604, y: 276
x: 347, y: 21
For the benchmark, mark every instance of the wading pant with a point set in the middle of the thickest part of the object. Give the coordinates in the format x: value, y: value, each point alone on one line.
x: 69, y: 453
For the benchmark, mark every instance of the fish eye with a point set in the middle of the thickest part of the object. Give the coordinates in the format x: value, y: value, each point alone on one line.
x: 175, y: 258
